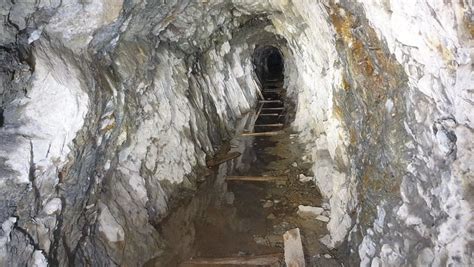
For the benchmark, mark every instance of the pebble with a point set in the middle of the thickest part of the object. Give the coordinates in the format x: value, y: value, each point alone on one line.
x: 309, y: 211
x: 304, y: 178
x: 327, y: 256
x: 268, y: 204
x: 294, y: 164
x: 260, y: 240
x: 229, y: 198
x: 271, y: 216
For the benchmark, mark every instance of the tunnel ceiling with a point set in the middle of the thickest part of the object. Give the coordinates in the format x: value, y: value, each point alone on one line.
x: 109, y: 110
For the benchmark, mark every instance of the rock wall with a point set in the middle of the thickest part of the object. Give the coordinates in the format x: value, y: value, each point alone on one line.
x: 110, y: 108
x: 434, y: 214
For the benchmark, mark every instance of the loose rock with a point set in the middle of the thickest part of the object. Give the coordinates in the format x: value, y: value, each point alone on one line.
x: 322, y: 218
x: 268, y: 204
x: 309, y: 212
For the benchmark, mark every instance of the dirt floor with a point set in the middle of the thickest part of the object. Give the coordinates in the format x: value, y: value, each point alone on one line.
x: 242, y: 219
x: 255, y: 215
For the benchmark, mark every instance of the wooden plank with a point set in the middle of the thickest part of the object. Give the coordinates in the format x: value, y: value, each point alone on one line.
x: 270, y: 114
x: 273, y: 82
x: 258, y: 89
x: 294, y: 256
x: 252, y: 124
x: 260, y: 93
x: 272, y: 85
x: 282, y: 108
x: 270, y: 101
x: 219, y: 160
x: 262, y: 133
x: 256, y: 178
x: 270, y: 125
x: 260, y: 260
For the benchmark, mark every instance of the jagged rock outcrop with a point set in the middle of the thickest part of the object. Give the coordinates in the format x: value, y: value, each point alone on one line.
x: 109, y: 109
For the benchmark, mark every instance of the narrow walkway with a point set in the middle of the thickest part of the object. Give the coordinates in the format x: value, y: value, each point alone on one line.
x: 264, y: 192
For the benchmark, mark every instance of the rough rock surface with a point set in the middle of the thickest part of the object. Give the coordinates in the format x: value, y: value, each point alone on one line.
x: 109, y: 109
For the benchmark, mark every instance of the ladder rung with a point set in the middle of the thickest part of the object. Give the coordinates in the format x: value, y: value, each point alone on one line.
x: 255, y: 178
x: 270, y: 125
x: 282, y: 108
x: 262, y: 133
x: 270, y: 101
x: 270, y: 114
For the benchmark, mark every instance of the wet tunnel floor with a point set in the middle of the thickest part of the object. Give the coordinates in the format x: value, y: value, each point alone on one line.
x: 254, y: 215
x: 262, y: 212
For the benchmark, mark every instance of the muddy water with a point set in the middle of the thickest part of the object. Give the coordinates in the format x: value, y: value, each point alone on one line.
x: 226, y: 219
x: 254, y: 222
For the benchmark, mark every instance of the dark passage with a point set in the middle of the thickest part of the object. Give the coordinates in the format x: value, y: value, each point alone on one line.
x: 269, y: 66
x: 2, y: 120
x: 268, y: 62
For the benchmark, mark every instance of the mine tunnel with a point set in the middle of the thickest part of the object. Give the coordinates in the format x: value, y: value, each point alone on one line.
x: 269, y: 63
x: 236, y: 132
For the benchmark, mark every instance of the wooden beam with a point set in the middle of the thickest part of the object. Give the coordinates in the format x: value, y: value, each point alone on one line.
x: 257, y: 85
x: 252, y: 124
x: 268, y: 85
x: 294, y: 255
x: 282, y: 108
x: 270, y: 114
x: 262, y: 134
x: 260, y: 260
x: 260, y: 93
x: 256, y: 178
x: 270, y: 125
x: 219, y: 160
x: 270, y: 101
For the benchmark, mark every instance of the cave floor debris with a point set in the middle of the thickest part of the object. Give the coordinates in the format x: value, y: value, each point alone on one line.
x: 261, y: 212
x: 261, y: 208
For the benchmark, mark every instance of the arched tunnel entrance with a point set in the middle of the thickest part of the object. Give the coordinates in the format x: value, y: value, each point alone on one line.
x: 269, y: 63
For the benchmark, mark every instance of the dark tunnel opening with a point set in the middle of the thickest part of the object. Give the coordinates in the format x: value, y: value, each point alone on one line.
x: 274, y: 64
x: 269, y: 63
x: 272, y: 108
x: 2, y: 118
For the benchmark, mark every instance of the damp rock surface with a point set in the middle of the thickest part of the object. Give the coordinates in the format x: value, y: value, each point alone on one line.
x: 109, y: 111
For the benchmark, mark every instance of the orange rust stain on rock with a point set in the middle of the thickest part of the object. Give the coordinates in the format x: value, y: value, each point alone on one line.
x: 338, y: 112
x: 353, y: 136
x: 345, y: 84
x: 469, y: 26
